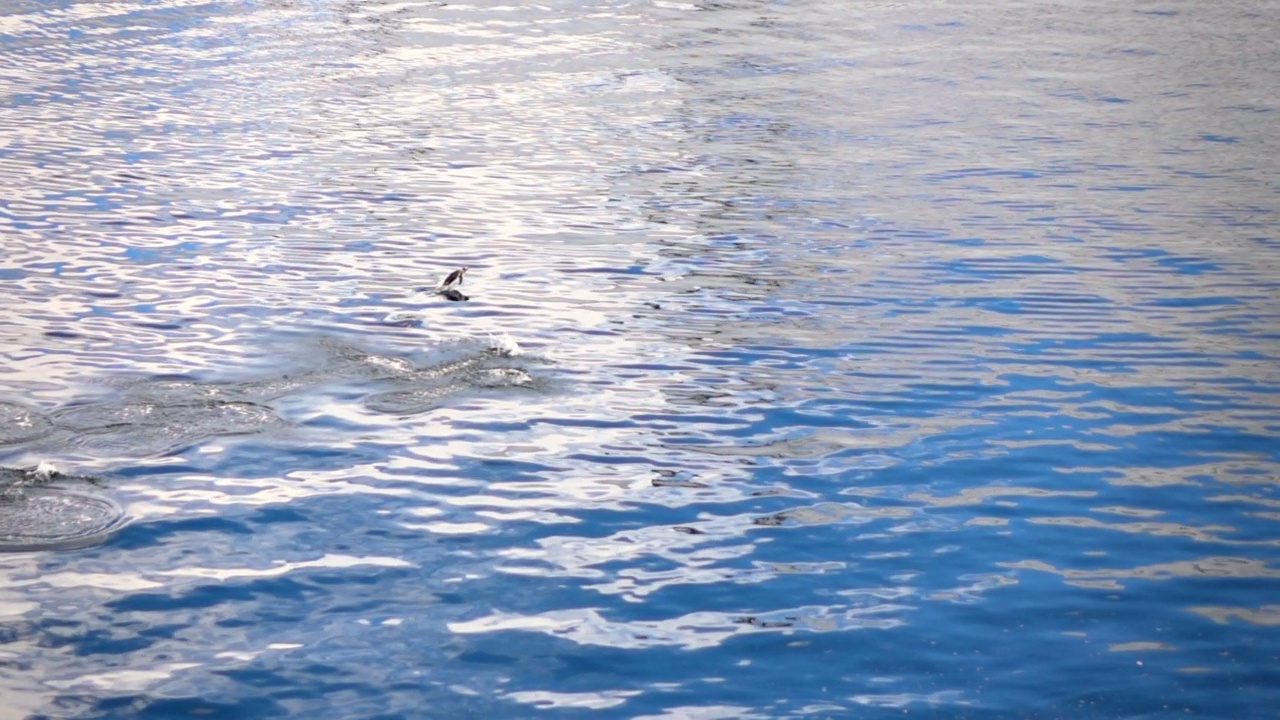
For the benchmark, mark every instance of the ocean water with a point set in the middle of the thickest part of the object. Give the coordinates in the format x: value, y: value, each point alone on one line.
x: 823, y: 360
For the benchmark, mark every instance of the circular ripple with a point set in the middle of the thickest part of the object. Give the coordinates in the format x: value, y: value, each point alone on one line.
x: 56, y: 519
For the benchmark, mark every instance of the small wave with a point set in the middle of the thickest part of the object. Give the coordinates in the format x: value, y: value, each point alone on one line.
x: 404, y: 318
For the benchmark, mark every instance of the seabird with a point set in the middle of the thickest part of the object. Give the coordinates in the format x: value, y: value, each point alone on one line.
x: 448, y: 288
x: 452, y: 280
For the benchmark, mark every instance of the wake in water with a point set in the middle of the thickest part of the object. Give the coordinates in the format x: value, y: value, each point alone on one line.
x: 500, y: 365
x: 14, y: 481
x: 43, y: 508
x: 160, y: 415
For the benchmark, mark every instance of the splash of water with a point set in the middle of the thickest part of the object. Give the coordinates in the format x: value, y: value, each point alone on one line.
x: 505, y: 345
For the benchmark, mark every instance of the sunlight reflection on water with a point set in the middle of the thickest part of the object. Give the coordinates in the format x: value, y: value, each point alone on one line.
x: 887, y: 358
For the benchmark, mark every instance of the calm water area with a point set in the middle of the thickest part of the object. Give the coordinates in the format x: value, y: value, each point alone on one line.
x: 823, y: 359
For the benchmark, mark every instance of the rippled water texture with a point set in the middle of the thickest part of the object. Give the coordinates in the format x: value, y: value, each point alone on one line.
x: 822, y: 359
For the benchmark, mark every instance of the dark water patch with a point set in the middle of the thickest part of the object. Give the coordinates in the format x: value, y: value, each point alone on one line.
x: 21, y: 423
x: 144, y: 428
x: 408, y: 401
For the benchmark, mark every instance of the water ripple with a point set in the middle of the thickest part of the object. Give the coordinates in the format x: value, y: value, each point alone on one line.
x: 819, y: 361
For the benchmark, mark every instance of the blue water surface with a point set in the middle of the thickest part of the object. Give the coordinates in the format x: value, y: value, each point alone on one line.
x: 829, y: 360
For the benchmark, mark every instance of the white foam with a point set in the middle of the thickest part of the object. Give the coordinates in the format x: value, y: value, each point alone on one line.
x: 44, y: 470
x: 505, y: 345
